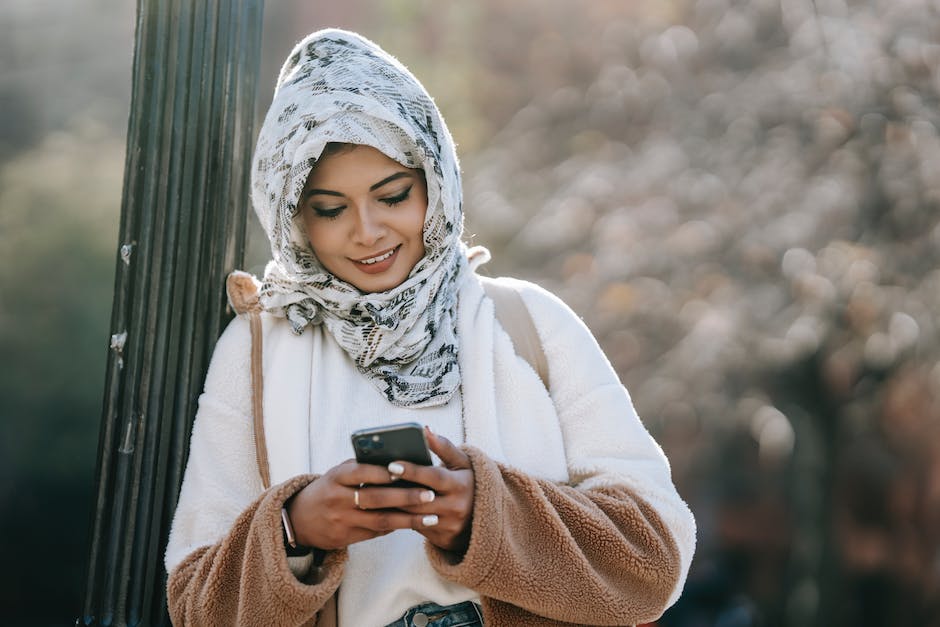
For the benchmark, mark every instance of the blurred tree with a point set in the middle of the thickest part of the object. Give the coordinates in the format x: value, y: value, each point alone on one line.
x: 62, y: 62
x: 742, y: 198
x: 56, y: 273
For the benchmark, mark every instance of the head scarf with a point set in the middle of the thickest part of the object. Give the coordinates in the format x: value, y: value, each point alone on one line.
x: 337, y: 86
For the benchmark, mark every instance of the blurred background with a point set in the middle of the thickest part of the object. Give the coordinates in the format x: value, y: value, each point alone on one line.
x: 742, y: 199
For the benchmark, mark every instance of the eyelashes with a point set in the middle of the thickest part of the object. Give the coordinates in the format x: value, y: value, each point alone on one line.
x: 328, y: 213
x: 394, y: 200
x: 391, y: 201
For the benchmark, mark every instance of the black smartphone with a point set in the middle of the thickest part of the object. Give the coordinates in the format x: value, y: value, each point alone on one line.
x: 383, y: 445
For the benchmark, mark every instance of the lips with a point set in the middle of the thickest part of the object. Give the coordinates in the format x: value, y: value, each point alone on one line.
x: 377, y: 263
x: 377, y: 258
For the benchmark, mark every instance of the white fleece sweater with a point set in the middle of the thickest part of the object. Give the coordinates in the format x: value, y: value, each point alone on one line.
x: 586, y: 433
x: 399, y: 557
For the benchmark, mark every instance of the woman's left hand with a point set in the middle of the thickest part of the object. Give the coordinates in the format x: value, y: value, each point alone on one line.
x: 451, y: 511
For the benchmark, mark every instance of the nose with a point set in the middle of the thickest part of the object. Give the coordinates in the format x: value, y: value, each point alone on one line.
x: 368, y: 228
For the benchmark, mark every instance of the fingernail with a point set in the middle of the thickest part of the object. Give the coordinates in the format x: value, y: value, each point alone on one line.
x: 430, y: 520
x: 396, y: 469
x: 427, y: 496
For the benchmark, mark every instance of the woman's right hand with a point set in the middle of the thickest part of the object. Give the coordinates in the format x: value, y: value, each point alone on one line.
x: 325, y: 514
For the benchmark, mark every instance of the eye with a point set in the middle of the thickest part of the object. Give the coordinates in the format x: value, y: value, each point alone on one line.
x: 391, y: 201
x: 330, y: 213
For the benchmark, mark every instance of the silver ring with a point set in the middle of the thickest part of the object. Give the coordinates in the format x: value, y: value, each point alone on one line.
x: 356, y: 498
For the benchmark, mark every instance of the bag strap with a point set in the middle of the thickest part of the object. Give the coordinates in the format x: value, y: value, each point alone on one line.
x: 516, y: 320
x: 242, y: 289
x: 257, y: 398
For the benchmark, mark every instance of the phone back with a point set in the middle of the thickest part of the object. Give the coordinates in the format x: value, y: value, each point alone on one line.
x: 384, y: 445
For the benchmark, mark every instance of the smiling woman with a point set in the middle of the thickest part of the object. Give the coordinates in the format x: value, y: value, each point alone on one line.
x: 364, y: 216
x: 550, y: 505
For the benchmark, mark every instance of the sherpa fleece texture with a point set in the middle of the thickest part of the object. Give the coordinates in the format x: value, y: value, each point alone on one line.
x: 245, y: 578
x: 539, y: 554
x: 587, y: 529
x: 546, y: 554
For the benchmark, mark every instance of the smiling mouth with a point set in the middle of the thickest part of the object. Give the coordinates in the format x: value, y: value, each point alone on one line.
x: 377, y: 258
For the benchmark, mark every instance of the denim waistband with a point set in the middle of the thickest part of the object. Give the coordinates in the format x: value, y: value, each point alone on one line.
x: 466, y: 614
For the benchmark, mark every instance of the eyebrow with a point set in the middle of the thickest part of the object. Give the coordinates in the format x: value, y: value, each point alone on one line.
x: 314, y: 192
x: 385, y: 181
x: 389, y: 179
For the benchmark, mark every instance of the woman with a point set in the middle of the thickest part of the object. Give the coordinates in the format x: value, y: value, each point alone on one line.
x: 556, y: 507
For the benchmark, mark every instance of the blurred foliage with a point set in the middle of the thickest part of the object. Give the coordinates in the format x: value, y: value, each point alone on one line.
x: 64, y: 95
x: 741, y: 198
x: 62, y: 259
x: 57, y: 239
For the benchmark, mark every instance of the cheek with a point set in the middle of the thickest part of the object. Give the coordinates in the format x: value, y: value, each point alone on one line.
x: 417, y: 216
x: 318, y: 235
x: 310, y: 231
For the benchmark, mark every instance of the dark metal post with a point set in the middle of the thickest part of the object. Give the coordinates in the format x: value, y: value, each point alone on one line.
x: 182, y: 230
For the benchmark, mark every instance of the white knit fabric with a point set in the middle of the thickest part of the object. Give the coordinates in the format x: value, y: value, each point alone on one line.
x: 398, y: 557
x: 337, y: 86
x: 585, y: 433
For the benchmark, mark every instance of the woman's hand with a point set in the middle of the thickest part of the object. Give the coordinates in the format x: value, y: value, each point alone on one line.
x: 334, y: 511
x: 451, y: 512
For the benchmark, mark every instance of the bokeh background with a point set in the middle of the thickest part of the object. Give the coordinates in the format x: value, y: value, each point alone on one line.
x: 740, y: 198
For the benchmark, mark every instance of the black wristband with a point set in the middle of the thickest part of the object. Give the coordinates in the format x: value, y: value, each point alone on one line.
x: 298, y: 550
x: 287, y: 533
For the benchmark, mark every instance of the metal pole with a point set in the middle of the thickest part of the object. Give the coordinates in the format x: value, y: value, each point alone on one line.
x: 182, y: 230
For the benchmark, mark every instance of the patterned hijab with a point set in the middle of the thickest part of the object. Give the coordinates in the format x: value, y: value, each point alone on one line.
x: 337, y: 86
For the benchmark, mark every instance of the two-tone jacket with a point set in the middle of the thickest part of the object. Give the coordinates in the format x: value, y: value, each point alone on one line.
x: 575, y: 516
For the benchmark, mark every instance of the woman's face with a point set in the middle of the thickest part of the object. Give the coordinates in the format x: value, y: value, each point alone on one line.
x: 364, y: 216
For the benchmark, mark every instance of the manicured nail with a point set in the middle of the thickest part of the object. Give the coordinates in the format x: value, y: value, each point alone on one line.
x: 427, y: 496
x: 430, y: 520
x: 396, y: 470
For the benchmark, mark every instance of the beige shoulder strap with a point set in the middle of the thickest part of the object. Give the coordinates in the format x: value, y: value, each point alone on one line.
x: 242, y: 289
x: 514, y: 317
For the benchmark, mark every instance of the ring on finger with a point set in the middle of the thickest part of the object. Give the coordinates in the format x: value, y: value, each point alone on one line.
x: 356, y: 498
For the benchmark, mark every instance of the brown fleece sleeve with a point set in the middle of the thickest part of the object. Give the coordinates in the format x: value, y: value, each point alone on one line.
x: 244, y: 579
x: 546, y: 554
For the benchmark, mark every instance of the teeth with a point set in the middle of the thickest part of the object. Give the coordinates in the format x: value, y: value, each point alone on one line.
x: 373, y: 260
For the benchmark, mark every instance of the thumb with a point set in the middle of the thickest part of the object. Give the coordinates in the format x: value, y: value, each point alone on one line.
x: 452, y: 456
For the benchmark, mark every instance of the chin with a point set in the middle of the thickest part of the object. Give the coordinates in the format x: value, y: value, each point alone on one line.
x: 374, y: 287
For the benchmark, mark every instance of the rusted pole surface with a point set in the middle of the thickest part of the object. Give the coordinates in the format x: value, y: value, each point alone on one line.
x: 182, y: 230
